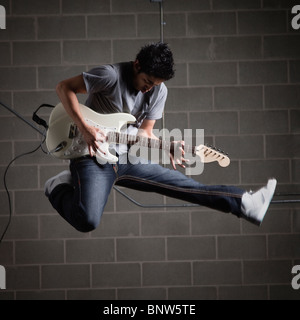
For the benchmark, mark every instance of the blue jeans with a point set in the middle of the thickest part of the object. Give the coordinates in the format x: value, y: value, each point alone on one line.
x: 83, y: 203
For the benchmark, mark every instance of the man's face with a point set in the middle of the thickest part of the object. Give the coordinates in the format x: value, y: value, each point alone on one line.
x: 142, y: 81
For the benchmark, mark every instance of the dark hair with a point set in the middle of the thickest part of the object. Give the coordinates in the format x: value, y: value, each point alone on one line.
x: 156, y: 59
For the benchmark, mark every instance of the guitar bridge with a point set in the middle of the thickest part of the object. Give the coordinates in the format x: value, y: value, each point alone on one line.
x: 72, y: 131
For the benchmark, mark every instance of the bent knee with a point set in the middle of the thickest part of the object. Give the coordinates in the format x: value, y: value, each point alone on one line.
x: 88, y: 223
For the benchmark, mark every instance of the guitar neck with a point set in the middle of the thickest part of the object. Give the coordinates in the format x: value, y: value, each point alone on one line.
x: 123, y: 138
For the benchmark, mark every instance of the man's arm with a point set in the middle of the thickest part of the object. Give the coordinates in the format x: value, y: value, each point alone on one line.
x: 67, y: 91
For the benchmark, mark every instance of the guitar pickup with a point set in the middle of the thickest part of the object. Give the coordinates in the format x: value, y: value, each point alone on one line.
x: 72, y: 131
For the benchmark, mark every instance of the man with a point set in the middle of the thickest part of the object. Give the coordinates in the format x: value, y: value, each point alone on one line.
x: 80, y: 195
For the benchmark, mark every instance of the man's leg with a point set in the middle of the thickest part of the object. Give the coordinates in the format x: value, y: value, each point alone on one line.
x: 154, y: 178
x: 82, y: 199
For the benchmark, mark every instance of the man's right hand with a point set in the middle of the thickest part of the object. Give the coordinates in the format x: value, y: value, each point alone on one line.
x: 93, y: 137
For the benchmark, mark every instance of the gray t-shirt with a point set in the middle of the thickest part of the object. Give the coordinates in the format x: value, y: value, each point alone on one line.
x: 110, y: 89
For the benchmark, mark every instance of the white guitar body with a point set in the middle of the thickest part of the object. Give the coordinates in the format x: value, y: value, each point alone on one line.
x: 64, y: 140
x: 64, y: 137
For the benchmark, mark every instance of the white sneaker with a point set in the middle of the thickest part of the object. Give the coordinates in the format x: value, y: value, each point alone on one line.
x: 62, y: 178
x: 255, y: 205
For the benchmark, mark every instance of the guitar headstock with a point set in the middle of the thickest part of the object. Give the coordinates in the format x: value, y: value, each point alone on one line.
x: 210, y: 154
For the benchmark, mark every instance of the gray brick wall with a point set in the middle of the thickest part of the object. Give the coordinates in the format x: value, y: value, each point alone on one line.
x: 238, y: 66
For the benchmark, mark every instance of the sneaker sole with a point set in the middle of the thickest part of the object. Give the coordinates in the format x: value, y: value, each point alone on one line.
x: 271, y: 186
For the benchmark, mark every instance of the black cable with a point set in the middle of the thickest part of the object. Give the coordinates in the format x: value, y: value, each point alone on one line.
x: 6, y: 188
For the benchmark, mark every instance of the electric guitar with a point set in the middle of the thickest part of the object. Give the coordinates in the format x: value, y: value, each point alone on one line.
x: 64, y: 140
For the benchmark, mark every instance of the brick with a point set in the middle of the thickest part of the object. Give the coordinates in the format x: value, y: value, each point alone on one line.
x: 141, y: 249
x: 86, y: 6
x: 283, y: 246
x: 237, y: 48
x: 126, y: 50
x: 31, y: 202
x: 41, y: 295
x: 286, y: 146
x: 65, y: 276
x: 286, y: 46
x: 263, y: 22
x: 36, y: 53
x: 214, y: 223
x: 192, y: 99
x: 22, y: 177
x: 86, y: 52
x: 38, y: 157
x: 284, y: 292
x: 37, y: 252
x: 191, y: 49
x: 233, y: 4
x: 214, y: 73
x: 295, y: 171
x: 176, y: 121
x: 15, y: 128
x: 19, y: 28
x: 35, y: 7
x: 116, y: 275
x: 294, y: 71
x: 259, y: 171
x: 279, y: 4
x: 55, y: 227
x: 62, y: 27
x: 242, y: 247
x: 263, y: 72
x: 213, y: 174
x: 132, y: 6
x: 33, y: 100
x: 296, y: 221
x: 17, y: 78
x: 180, y: 78
x: 91, y: 250
x: 90, y: 294
x: 49, y: 77
x: 142, y: 294
x: 115, y: 224
x: 282, y: 96
x: 22, y: 278
x: 175, y: 25
x: 6, y: 154
x: 21, y: 227
x: 4, y: 203
x: 275, y: 221
x: 6, y: 253
x: 5, y: 56
x: 192, y: 293
x: 263, y: 122
x: 215, y: 123
x: 187, y: 5
x: 268, y: 272
x: 108, y: 26
x: 166, y: 273
x: 242, y: 147
x: 219, y: 23
x: 295, y: 121
x: 243, y: 292
x: 191, y: 248
x: 217, y: 272
x: 161, y: 223
x: 6, y: 99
